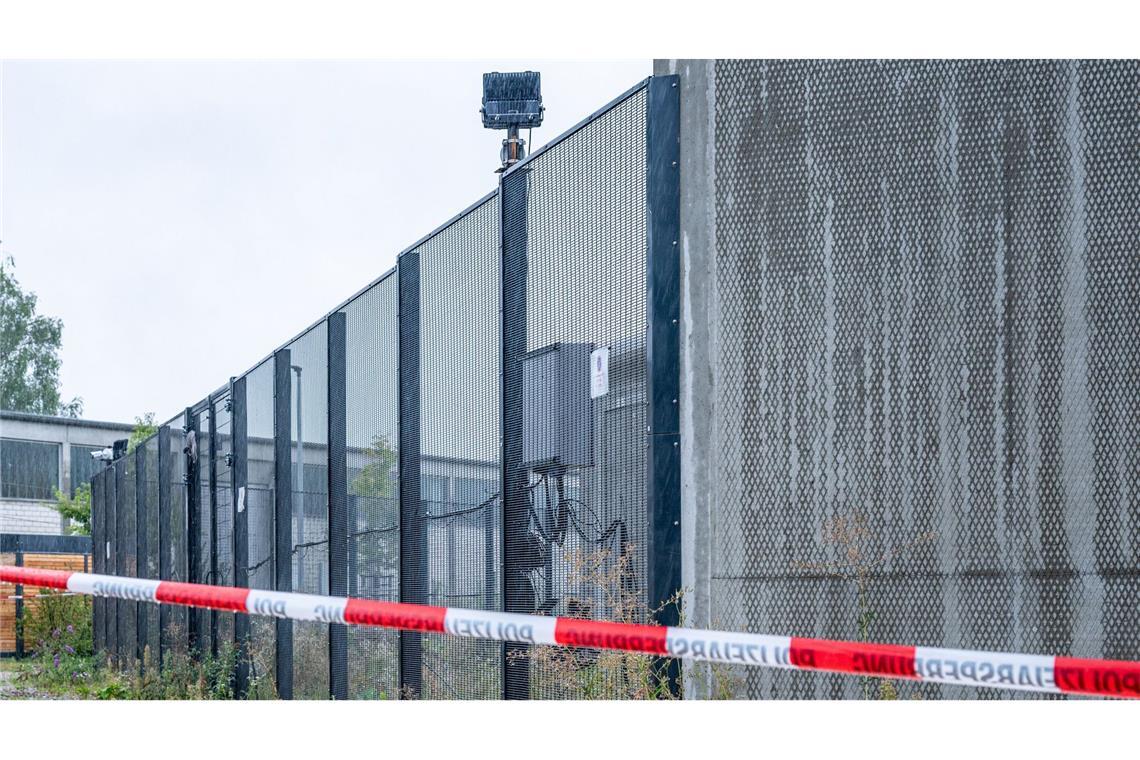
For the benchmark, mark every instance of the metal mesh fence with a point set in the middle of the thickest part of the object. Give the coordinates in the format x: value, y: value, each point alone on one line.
x: 926, y: 392
x: 458, y: 451
x: 419, y: 476
x: 584, y: 451
x: 372, y: 442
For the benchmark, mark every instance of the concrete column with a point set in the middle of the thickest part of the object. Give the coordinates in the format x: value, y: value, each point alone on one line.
x: 699, y: 325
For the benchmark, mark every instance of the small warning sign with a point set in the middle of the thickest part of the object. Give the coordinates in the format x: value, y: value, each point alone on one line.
x: 599, y: 372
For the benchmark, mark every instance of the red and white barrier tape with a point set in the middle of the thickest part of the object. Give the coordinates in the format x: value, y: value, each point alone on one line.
x: 1025, y: 672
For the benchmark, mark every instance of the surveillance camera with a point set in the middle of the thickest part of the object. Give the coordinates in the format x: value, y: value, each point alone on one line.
x: 103, y: 455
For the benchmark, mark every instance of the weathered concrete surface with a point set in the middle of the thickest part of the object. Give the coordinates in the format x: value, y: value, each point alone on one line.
x: 699, y: 324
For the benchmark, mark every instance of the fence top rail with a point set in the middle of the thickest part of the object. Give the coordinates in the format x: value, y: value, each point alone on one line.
x: 641, y: 85
x: 1002, y: 670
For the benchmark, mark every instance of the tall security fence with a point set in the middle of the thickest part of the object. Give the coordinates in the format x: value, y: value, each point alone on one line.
x: 920, y: 304
x: 484, y: 426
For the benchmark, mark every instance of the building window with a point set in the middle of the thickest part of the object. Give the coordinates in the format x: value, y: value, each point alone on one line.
x: 83, y: 466
x: 28, y: 469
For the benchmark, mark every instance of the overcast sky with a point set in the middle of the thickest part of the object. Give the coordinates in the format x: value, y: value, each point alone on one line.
x: 184, y: 219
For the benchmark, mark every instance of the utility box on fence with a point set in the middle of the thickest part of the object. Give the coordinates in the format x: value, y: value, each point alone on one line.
x: 558, y: 422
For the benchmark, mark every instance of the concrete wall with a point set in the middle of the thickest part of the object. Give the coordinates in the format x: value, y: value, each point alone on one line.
x: 904, y: 290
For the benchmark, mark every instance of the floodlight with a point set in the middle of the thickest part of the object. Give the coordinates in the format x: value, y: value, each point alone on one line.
x: 510, y: 101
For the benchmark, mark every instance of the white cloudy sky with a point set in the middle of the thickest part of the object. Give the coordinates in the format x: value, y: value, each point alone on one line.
x: 184, y: 219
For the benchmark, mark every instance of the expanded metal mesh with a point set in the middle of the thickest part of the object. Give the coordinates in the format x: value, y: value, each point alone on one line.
x: 927, y: 364
x: 584, y: 452
x: 459, y: 446
x: 372, y: 441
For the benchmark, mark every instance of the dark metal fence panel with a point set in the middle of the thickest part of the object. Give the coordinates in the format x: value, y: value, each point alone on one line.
x: 583, y: 396
x: 255, y: 395
x: 151, y: 559
x: 221, y: 459
x: 98, y: 560
x: 458, y: 443
x: 309, y: 483
x: 111, y: 563
x: 207, y: 489
x: 196, y: 446
x: 179, y: 618
x: 372, y: 453
x: 126, y: 563
x: 142, y: 508
x: 927, y: 355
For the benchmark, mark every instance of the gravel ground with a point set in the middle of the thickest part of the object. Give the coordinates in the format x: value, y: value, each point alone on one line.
x: 10, y: 688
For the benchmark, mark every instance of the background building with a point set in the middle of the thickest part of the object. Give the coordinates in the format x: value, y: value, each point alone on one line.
x: 41, y: 454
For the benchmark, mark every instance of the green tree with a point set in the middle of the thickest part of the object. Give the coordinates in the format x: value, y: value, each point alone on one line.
x: 375, y: 492
x: 375, y: 480
x: 144, y: 428
x: 77, y: 509
x: 29, y: 352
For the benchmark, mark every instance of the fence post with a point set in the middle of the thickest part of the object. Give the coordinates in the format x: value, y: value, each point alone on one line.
x: 212, y: 475
x: 111, y: 502
x: 515, y: 587
x: 338, y: 498
x: 165, y: 565
x: 141, y: 630
x: 239, y: 473
x: 19, y: 590
x: 413, y: 557
x: 193, y: 525
x: 283, y: 512
x: 663, y: 283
